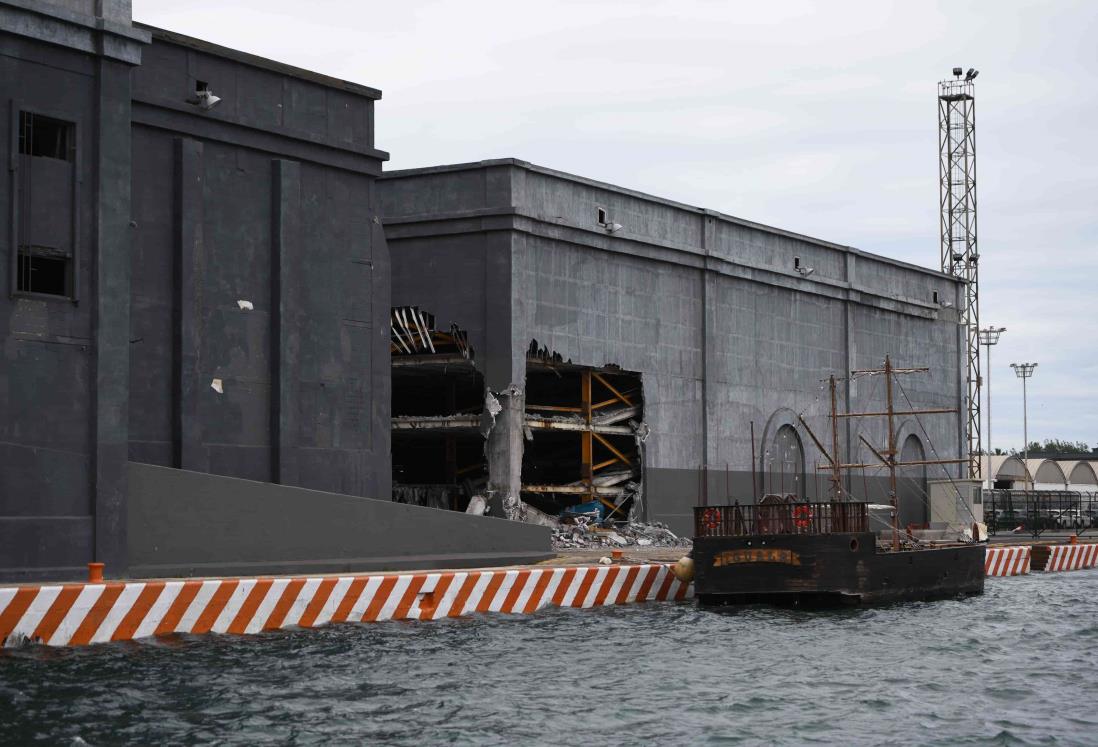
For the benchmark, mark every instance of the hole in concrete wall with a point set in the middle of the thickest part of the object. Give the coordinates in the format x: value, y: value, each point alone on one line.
x: 796, y: 263
x: 437, y: 406
x: 46, y: 137
x: 601, y: 216
x: 935, y: 295
x: 43, y: 270
x: 583, y: 448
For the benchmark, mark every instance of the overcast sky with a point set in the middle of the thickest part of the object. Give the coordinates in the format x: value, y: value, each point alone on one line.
x: 818, y: 117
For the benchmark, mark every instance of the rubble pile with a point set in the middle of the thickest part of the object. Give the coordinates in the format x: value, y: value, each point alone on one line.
x: 583, y: 536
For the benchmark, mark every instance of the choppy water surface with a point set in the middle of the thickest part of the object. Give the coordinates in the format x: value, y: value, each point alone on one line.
x: 1016, y: 666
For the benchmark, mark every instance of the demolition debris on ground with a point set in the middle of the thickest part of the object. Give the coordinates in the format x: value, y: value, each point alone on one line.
x: 633, y: 534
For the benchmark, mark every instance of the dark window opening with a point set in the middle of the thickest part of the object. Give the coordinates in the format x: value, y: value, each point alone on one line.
x: 935, y: 296
x: 796, y: 263
x: 200, y: 86
x: 42, y: 270
x: 46, y: 137
x: 602, y: 216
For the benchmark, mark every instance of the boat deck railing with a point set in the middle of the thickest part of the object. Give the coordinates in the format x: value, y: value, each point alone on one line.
x: 780, y: 517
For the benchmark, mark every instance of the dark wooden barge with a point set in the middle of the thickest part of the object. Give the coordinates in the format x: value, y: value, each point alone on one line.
x: 819, y: 554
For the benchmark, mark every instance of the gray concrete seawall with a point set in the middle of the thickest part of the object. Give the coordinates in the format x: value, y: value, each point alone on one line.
x: 188, y: 523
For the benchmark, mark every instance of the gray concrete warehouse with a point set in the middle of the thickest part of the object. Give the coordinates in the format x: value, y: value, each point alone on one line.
x: 197, y: 279
x: 631, y: 341
x: 233, y: 344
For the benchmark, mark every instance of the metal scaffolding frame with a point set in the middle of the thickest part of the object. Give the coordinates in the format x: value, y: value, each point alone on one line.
x: 960, y: 258
x: 615, y: 411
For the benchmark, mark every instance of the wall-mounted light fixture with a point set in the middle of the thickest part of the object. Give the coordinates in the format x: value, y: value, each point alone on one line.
x: 605, y: 222
x: 203, y: 97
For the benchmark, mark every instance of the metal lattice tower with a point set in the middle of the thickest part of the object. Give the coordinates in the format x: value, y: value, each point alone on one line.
x: 957, y: 174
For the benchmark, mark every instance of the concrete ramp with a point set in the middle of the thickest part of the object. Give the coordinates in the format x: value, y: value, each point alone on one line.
x: 184, y: 523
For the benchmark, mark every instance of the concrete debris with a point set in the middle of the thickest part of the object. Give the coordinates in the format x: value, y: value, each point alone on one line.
x: 492, y: 405
x: 416, y: 422
x: 413, y: 332
x: 519, y: 510
x: 217, y: 386
x: 542, y: 352
x: 245, y: 305
x: 582, y: 536
x: 605, y: 561
x: 478, y: 505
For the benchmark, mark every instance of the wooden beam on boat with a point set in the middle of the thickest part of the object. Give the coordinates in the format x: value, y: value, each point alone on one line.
x: 890, y: 369
x: 906, y: 464
x: 816, y: 441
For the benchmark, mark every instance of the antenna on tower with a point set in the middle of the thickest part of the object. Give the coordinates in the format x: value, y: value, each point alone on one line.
x: 960, y: 258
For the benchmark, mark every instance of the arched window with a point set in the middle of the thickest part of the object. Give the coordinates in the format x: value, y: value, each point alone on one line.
x: 785, y: 464
x: 911, y: 484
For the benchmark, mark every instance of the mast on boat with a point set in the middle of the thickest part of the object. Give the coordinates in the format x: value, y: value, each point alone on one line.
x: 887, y: 456
x: 836, y: 468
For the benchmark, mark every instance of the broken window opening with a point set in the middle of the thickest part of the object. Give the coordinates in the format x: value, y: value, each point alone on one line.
x: 437, y: 409
x: 42, y: 269
x: 582, y: 456
x: 46, y: 137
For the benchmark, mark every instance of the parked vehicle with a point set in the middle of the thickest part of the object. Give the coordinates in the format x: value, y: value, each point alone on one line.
x: 1070, y: 518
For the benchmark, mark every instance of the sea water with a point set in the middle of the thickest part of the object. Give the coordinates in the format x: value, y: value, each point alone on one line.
x: 1017, y: 665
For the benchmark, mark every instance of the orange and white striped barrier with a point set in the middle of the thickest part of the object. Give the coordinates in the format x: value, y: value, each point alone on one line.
x: 79, y: 614
x: 1071, y: 557
x: 1007, y: 561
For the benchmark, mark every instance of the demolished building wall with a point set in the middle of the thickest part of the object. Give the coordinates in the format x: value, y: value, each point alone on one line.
x: 727, y: 323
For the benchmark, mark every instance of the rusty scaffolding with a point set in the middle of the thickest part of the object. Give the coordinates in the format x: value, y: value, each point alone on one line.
x: 601, y: 412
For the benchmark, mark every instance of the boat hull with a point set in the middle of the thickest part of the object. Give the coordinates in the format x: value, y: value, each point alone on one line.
x: 830, y: 570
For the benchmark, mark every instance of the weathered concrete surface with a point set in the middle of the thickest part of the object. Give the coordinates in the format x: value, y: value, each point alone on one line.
x: 305, y: 371
x: 187, y: 523
x: 710, y: 309
x: 65, y: 361
x: 504, y: 451
x: 179, y: 217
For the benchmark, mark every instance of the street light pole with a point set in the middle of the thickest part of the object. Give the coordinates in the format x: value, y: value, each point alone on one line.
x: 989, y: 336
x: 1023, y: 371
